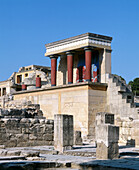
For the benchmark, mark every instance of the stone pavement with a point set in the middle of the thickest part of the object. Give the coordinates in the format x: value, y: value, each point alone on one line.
x: 45, y: 157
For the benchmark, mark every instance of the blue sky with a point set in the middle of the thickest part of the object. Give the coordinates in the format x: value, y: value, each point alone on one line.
x: 27, y: 25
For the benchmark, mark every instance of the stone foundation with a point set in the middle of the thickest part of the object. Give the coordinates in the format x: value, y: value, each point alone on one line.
x: 26, y: 132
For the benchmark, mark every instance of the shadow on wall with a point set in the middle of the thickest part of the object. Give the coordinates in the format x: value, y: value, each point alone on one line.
x: 131, y: 142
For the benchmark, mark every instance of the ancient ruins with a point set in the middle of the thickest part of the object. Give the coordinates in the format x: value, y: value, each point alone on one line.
x: 79, y: 102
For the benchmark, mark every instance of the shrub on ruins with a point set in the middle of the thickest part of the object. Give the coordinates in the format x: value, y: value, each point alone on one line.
x: 135, y: 86
x: 122, y: 79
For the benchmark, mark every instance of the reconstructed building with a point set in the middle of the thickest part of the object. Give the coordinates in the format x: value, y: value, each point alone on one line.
x: 83, y: 86
x: 25, y: 79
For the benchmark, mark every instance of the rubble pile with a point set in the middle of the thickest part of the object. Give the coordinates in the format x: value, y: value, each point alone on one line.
x: 25, y: 125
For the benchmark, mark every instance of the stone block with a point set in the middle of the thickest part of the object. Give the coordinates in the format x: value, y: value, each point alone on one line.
x: 32, y: 137
x: 63, y: 132
x: 104, y: 118
x: 30, y: 153
x: 110, y: 152
x: 48, y: 137
x: 107, y: 137
x: 13, y: 153
x: 2, y: 146
x: 22, y: 132
x: 77, y: 138
x: 107, y: 133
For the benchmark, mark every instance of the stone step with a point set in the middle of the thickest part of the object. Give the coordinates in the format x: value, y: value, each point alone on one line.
x: 12, y: 158
x: 84, y: 153
x: 121, y: 89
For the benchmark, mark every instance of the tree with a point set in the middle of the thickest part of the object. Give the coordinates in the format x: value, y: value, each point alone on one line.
x: 135, y: 86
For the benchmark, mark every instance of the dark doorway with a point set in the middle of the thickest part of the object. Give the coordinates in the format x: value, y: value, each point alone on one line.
x: 19, y: 79
x: 4, y: 91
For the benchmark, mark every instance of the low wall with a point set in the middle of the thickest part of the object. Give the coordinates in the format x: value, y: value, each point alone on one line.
x: 26, y: 132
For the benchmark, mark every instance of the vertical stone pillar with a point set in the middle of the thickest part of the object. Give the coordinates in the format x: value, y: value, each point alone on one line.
x: 63, y: 132
x: 105, y: 64
x: 70, y: 67
x: 107, y: 136
x: 53, y: 70
x: 38, y: 82
x: 88, y: 59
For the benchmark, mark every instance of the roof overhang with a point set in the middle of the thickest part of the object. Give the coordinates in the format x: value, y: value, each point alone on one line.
x: 77, y: 42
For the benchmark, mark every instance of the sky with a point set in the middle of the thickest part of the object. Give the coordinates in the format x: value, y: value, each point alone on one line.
x: 27, y: 25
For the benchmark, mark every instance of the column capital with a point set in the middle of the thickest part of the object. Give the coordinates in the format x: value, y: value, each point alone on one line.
x: 70, y: 52
x: 53, y: 56
x: 108, y: 50
x: 88, y: 48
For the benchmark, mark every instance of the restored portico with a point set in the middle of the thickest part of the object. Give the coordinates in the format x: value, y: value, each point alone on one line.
x: 82, y: 85
x: 86, y: 57
x: 78, y: 85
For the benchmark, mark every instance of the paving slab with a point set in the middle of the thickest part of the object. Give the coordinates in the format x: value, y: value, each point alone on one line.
x: 129, y: 159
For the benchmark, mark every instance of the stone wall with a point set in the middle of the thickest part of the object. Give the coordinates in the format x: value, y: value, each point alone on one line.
x: 77, y: 100
x: 22, y: 124
x: 135, y: 133
x: 97, y: 103
x: 19, y: 132
x: 123, y: 108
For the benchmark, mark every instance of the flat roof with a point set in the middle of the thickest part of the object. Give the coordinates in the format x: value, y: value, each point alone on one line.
x: 97, y: 36
x: 78, y: 42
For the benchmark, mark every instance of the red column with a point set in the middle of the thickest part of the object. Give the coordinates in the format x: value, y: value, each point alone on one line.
x: 24, y: 87
x: 88, y: 55
x: 70, y: 67
x: 53, y: 70
x: 38, y: 82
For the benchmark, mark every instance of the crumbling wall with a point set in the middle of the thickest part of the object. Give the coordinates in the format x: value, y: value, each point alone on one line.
x: 16, y: 132
x: 121, y: 103
x: 135, y: 133
x: 22, y: 124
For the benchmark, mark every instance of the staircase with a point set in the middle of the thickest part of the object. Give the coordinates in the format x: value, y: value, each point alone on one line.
x: 120, y: 98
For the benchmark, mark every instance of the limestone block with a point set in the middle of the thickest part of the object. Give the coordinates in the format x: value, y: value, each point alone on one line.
x: 104, y: 152
x: 77, y: 138
x: 104, y: 118
x: 107, y: 137
x: 107, y: 134
x: 30, y: 153
x: 63, y: 132
x: 2, y: 146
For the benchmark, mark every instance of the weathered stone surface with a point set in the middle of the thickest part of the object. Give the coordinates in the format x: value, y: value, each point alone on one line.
x: 14, y: 153
x: 21, y: 132
x: 110, y: 152
x: 77, y: 138
x: 30, y: 153
x: 29, y: 129
x: 107, y: 136
x: 63, y: 132
x: 104, y: 118
x: 2, y: 146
